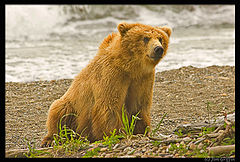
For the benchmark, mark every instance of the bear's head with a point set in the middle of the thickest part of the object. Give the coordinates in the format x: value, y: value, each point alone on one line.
x: 145, y: 43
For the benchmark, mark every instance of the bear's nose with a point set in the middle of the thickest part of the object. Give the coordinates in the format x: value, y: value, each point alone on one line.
x: 158, y: 51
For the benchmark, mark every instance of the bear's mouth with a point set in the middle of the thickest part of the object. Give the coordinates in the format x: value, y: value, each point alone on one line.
x: 155, y: 58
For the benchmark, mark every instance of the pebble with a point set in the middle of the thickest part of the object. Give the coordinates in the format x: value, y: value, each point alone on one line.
x: 128, y: 156
x: 174, y: 152
x: 199, y: 140
x: 90, y: 149
x: 155, y: 149
x: 165, y: 147
x: 220, y: 131
x: 52, y: 91
x: 144, y: 149
x: 138, y: 153
x: 116, y: 150
x: 200, y: 146
x: 182, y: 143
x: 201, y: 151
x: 122, y: 147
x: 162, y: 154
x: 207, y: 141
x: 188, y: 152
x: 177, y: 144
x: 103, y: 154
x: 192, y: 146
x: 103, y: 149
x: 186, y: 139
x: 108, y: 155
x: 176, y: 155
x: 114, y: 147
x: 129, y: 150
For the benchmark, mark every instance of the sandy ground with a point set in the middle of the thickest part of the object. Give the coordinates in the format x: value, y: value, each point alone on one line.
x: 182, y: 93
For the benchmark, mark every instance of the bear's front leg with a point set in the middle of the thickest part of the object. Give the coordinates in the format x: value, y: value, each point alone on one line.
x: 143, y: 123
x: 141, y: 101
x: 109, y: 99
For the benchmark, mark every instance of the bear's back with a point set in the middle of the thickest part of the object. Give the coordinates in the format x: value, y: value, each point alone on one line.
x: 107, y: 42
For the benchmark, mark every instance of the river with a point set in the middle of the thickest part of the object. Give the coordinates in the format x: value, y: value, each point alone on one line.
x: 46, y: 42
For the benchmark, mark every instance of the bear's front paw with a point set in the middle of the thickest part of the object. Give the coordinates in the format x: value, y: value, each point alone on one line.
x: 47, y: 142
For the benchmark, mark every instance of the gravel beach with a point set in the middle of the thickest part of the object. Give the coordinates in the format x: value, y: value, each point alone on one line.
x: 181, y: 93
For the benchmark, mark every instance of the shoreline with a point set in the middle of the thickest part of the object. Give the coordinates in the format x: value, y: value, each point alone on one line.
x: 155, y: 73
x: 181, y: 93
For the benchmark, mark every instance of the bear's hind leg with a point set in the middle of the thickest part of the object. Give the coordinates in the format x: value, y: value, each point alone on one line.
x: 56, y: 112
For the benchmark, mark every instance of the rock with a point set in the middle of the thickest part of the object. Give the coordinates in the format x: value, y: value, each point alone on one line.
x: 90, y: 149
x: 114, y: 147
x: 122, y: 147
x: 176, y: 155
x: 20, y: 107
x: 182, y: 143
x: 201, y: 151
x: 192, y: 146
x: 108, y: 155
x: 103, y: 149
x: 165, y: 147
x: 116, y: 150
x: 155, y: 149
x: 128, y: 156
x: 174, y: 152
x: 129, y: 150
x: 187, y: 153
x: 200, y: 146
x: 148, y: 152
x: 177, y: 144
x: 149, y: 156
x: 207, y: 141
x: 220, y: 131
x: 199, y: 140
x: 186, y: 139
x: 138, y: 153
x: 162, y: 154
x: 144, y: 149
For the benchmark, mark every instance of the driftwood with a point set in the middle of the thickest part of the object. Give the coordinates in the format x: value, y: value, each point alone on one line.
x: 219, y: 123
x: 217, y: 150
x: 212, y: 135
x: 227, y: 132
x: 20, y: 153
x: 185, y: 128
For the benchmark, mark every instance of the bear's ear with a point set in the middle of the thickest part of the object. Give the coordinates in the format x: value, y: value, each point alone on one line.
x: 166, y: 29
x: 124, y: 27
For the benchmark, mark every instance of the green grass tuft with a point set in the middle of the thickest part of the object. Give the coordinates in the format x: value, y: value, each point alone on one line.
x: 128, y: 128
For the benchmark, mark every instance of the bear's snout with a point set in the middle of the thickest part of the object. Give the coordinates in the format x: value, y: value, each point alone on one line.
x: 158, y: 51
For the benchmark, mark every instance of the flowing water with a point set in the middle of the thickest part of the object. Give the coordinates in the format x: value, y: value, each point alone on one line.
x: 45, y: 42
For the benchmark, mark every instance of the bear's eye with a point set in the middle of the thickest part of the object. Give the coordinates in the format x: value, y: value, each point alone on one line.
x: 146, y: 39
x: 160, y: 40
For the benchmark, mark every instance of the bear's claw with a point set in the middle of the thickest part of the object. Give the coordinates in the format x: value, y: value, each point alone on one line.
x: 47, y: 142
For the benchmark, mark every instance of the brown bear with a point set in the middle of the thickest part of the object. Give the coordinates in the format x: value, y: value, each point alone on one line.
x: 122, y: 73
